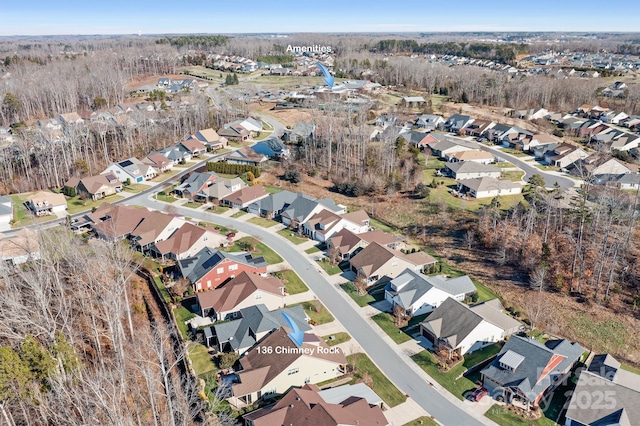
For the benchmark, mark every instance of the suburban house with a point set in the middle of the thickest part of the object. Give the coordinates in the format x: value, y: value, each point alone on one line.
x: 629, y: 181
x: 245, y: 196
x: 44, y: 203
x: 459, y: 329
x: 478, y: 127
x: 70, y: 119
x: 309, y: 406
x: 96, y: 187
x: 235, y: 133
x: 457, y: 122
x: 625, y: 142
x: 132, y: 170
x: 419, y: 294
x: 210, y: 268
x: 210, y: 137
x: 532, y: 113
x: 303, y: 207
x: 564, y: 155
x: 605, y: 377
x: 275, y: 373
x: 250, y: 124
x: 301, y: 132
x: 194, y: 184
x: 448, y: 146
x: 529, y: 142
x: 470, y: 170
x: 485, y: 187
x: 272, y: 148
x: 115, y: 222
x: 245, y: 156
x: 376, y: 261
x: 19, y: 248
x: 525, y: 369
x: 187, y: 241
x: 176, y: 154
x: 241, y: 292
x: 414, y: 138
x: 475, y: 156
x: 272, y: 206
x: 346, y: 244
x: 251, y: 324
x: 413, y: 101
x: 153, y: 228
x: 429, y: 122
x: 194, y: 147
x: 324, y: 224
x: 158, y: 162
x: 220, y: 188
x: 6, y: 212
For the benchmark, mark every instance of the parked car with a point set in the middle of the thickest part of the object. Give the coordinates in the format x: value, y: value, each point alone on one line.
x: 478, y: 394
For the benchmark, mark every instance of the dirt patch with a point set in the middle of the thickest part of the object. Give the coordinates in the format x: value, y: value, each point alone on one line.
x: 288, y: 117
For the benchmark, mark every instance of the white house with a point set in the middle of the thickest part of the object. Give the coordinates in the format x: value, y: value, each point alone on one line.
x: 460, y: 329
x: 485, y: 187
x: 419, y: 294
x: 46, y: 203
x: 6, y: 213
x: 133, y: 170
x: 324, y: 224
x: 470, y: 170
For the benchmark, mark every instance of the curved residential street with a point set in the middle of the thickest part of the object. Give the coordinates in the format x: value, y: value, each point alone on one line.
x: 550, y: 178
x: 400, y: 369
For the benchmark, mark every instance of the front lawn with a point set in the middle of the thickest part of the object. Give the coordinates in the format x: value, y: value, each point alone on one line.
x: 337, y: 338
x: 165, y: 175
x: 328, y: 267
x: 512, y: 175
x: 312, y: 250
x: 380, y: 384
x: 76, y: 205
x: 166, y: 198
x: 201, y: 360
x: 135, y: 187
x: 217, y: 209
x: 291, y: 236
x: 292, y: 282
x: 352, y: 291
x: 317, y: 312
x: 259, y: 248
x: 221, y: 229
x: 503, y: 417
x: 272, y: 189
x: 192, y: 205
x: 448, y: 380
x: 238, y: 214
x: 385, y: 322
x: 422, y: 421
x: 260, y: 221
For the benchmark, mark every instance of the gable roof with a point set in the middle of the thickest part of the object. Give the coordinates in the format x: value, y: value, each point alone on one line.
x: 374, y: 256
x: 197, y: 181
x: 411, y: 286
x: 196, y: 267
x: 245, y: 195
x: 181, y: 240
x: 193, y: 145
x: 472, y: 155
x: 246, y: 154
x: 452, y: 321
x: 488, y: 183
x: 228, y: 296
x: 94, y: 183
x: 277, y: 202
x: 302, y: 206
x: 156, y: 159
x: 207, y: 135
x: 151, y: 226
x: 23, y: 243
x: 471, y: 167
x: 47, y: 197
x: 116, y: 221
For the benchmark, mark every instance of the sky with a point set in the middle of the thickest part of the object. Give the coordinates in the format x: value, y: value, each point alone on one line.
x: 38, y: 17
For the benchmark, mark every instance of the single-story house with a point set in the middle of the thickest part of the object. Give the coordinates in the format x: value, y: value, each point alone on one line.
x: 44, y: 203
x: 413, y: 101
x: 485, y: 187
x: 153, y: 228
x: 429, y: 122
x: 347, y: 244
x: 6, y: 212
x: 220, y: 188
x: 19, y: 248
x: 188, y: 240
x: 419, y: 294
x: 158, y: 162
x: 471, y: 170
x: 564, y: 155
x: 236, y: 133
x: 195, y: 147
x: 376, y: 261
x: 442, y: 148
x: 241, y: 292
x: 176, y: 154
x: 457, y: 122
x: 195, y: 183
x: 476, y: 156
x: 459, y: 329
x: 211, y: 138
x: 303, y: 207
x: 272, y: 206
x: 525, y: 370
x: 324, y: 224
x: 275, y: 373
x: 629, y: 181
x: 132, y: 170
x: 245, y: 196
x: 245, y: 156
x: 97, y: 187
x: 529, y: 142
x: 272, y: 148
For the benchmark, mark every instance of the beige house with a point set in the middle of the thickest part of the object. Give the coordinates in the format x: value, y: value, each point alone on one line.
x: 276, y: 364
x: 377, y: 261
x: 19, y: 248
x: 44, y: 203
x: 98, y: 187
x: 347, y: 244
x: 187, y: 241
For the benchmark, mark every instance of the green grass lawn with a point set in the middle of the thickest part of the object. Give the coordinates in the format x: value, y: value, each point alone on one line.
x: 217, y: 209
x: 316, y: 311
x: 260, y: 221
x: 385, y: 322
x: 163, y: 290
x: 377, y: 225
x: 502, y: 164
x: 272, y: 189
x: 135, y: 188
x: 201, y: 360
x: 381, y: 385
x: 482, y: 355
x: 166, y: 198
x: 291, y: 236
x: 351, y: 290
x: 238, y: 214
x: 503, y: 417
x: 328, y: 267
x: 458, y: 387
x: 484, y: 293
x: 260, y: 249
x: 76, y: 205
x: 512, y: 175
x: 262, y: 135
x: 515, y: 152
x: 339, y: 337
x: 292, y: 282
x: 165, y: 175
x: 221, y: 229
x: 191, y: 205
x: 312, y: 250
x: 422, y: 421
x: 630, y: 368
x: 182, y: 314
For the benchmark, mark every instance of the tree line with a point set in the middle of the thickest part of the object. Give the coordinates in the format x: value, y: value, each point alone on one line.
x: 232, y: 169
x: 502, y: 52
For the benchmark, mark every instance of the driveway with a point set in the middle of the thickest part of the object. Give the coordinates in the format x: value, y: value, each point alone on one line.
x: 378, y: 349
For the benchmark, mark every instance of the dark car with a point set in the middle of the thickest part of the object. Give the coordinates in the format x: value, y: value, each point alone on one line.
x: 478, y: 394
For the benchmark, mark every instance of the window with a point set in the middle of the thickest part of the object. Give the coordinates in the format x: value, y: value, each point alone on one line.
x: 394, y: 264
x: 307, y: 379
x: 233, y: 267
x: 220, y: 270
x: 258, y: 296
x: 293, y: 371
x: 208, y: 283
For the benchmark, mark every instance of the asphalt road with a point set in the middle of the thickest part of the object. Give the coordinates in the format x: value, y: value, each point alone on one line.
x: 378, y: 350
x: 549, y: 179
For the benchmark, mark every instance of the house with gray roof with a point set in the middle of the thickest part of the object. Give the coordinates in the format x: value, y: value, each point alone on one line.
x: 220, y: 188
x: 620, y: 390
x: 272, y: 206
x: 302, y: 208
x: 486, y: 187
x: 253, y: 324
x: 525, y: 370
x: 459, y: 329
x: 457, y: 122
x: 471, y: 169
x: 429, y: 122
x: 301, y: 132
x: 419, y: 294
x: 131, y: 169
x: 176, y: 154
x: 195, y: 183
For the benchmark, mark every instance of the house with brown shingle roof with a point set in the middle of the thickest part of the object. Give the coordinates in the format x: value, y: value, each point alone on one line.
x: 19, y: 248
x: 376, y: 261
x: 153, y: 228
x: 187, y: 241
x: 44, y: 203
x: 241, y: 292
x: 115, y: 222
x: 194, y: 147
x: 347, y: 244
x: 245, y: 156
x: 276, y: 364
x: 306, y: 406
x: 324, y: 224
x: 245, y: 196
x: 97, y: 187
x: 211, y: 138
x: 158, y: 162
